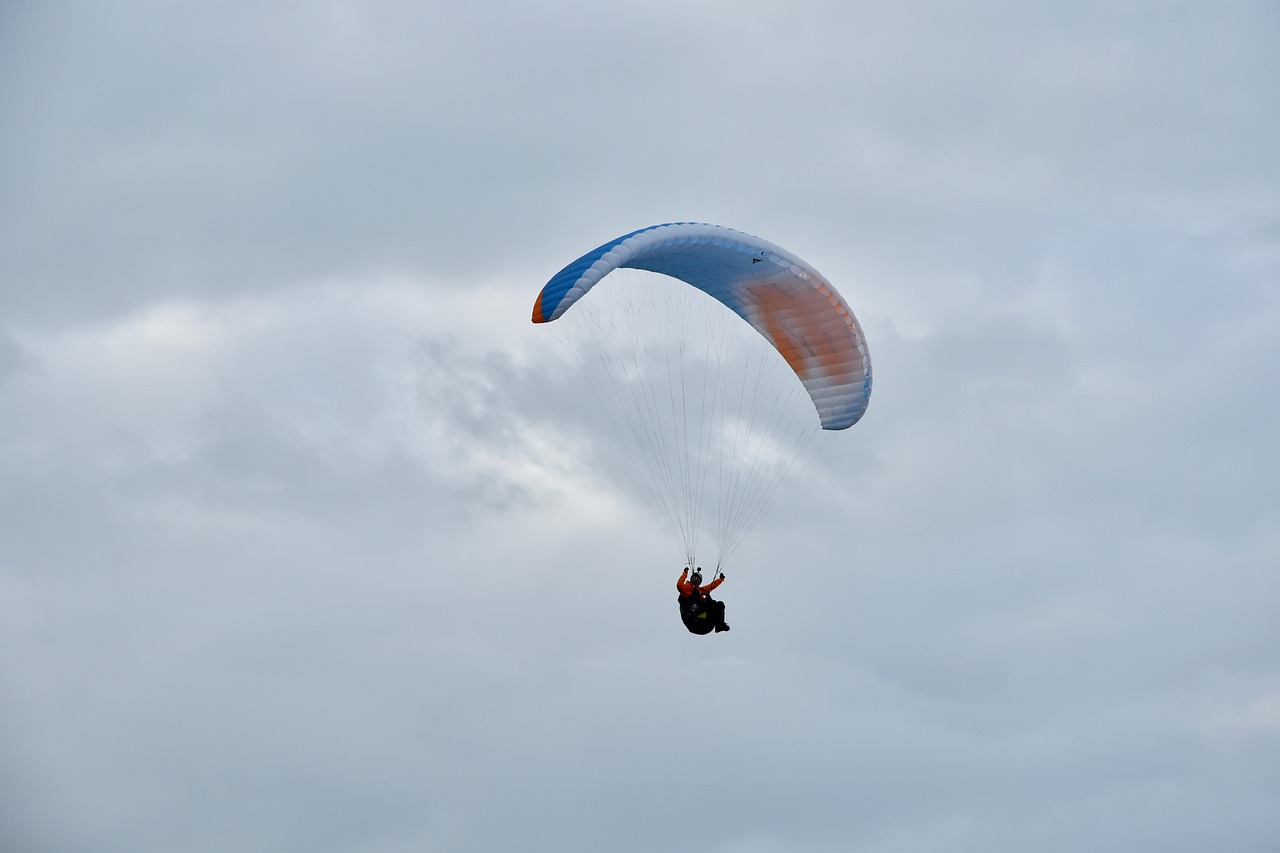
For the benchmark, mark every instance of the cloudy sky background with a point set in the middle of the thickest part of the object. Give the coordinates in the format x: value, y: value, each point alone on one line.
x: 309, y: 540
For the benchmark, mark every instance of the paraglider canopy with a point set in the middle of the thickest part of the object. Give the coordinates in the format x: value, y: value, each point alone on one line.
x: 783, y: 298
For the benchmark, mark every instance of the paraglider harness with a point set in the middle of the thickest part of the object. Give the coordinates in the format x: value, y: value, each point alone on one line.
x: 696, y: 610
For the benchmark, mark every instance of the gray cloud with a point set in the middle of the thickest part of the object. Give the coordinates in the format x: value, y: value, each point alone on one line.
x: 310, y: 540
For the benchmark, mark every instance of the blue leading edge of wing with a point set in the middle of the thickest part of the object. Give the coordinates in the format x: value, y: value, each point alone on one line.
x: 562, y: 282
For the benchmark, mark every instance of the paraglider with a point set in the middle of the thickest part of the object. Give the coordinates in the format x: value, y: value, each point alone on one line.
x: 699, y: 612
x: 693, y: 337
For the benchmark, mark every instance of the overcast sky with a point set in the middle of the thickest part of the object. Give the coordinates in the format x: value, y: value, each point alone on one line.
x: 310, y: 540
